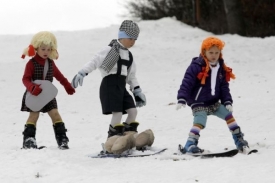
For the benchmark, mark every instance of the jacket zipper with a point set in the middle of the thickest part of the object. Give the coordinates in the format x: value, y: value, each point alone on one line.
x: 197, y: 96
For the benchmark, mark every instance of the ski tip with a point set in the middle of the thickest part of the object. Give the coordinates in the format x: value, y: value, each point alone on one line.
x: 252, y: 151
x: 181, y: 149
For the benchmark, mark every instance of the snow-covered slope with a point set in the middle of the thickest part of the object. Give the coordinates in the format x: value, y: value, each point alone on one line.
x: 163, y: 51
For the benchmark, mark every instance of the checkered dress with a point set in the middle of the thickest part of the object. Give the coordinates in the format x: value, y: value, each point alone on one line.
x: 38, y: 75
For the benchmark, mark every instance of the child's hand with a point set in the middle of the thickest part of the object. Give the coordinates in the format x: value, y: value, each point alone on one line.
x: 78, y: 79
x: 181, y: 104
x: 139, y: 97
x: 36, y: 90
x: 229, y: 108
x: 69, y: 89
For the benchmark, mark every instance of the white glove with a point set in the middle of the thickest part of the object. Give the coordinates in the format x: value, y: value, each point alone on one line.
x: 78, y: 79
x: 139, y: 97
x: 180, y: 105
x: 229, y: 108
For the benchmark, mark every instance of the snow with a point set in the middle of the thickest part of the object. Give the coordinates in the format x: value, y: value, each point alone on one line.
x: 163, y: 51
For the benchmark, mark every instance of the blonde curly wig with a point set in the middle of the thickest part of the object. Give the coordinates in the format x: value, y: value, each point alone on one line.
x: 42, y: 38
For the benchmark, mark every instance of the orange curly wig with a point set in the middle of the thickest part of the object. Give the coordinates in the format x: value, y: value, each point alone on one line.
x: 206, y: 45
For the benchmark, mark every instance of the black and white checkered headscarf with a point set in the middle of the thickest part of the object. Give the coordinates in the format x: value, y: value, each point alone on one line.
x: 130, y: 28
x: 112, y: 57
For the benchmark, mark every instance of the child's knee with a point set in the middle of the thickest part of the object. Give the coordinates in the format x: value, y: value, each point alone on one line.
x: 33, y: 117
x: 54, y: 114
x: 132, y: 112
x: 200, y: 119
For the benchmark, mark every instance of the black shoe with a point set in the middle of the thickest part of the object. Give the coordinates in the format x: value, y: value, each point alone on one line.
x: 116, y: 130
x: 29, y: 140
x: 29, y: 143
x: 60, y: 135
x: 131, y: 126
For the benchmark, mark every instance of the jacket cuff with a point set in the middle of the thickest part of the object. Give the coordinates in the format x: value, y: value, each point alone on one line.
x: 82, y: 73
x: 181, y: 101
x: 227, y: 103
x: 137, y: 90
x: 30, y: 87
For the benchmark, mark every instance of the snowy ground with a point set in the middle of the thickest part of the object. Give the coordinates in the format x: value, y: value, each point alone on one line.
x: 162, y: 53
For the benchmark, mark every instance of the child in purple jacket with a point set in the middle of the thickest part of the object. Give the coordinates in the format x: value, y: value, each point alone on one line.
x: 205, y: 89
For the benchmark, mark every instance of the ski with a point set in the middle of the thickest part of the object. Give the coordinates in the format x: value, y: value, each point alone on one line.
x: 229, y: 153
x: 249, y: 151
x: 252, y: 151
x: 39, y: 148
x: 128, y: 154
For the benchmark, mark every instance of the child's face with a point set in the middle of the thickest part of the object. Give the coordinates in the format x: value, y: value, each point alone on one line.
x: 213, y: 54
x: 44, y: 51
x: 127, y: 43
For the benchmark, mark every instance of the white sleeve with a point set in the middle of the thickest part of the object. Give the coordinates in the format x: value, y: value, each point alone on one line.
x: 96, y: 61
x: 131, y: 78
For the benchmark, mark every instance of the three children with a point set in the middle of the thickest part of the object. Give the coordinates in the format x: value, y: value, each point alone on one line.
x: 205, y: 88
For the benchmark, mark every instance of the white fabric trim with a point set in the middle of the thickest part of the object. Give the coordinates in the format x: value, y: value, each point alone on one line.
x: 214, y: 71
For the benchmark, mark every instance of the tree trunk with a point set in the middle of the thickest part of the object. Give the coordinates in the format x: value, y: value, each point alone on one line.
x: 233, y: 16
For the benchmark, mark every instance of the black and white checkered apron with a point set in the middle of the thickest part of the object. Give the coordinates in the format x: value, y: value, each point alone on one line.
x: 38, y: 75
x: 113, y: 94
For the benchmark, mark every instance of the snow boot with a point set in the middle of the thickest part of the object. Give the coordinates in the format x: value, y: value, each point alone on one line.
x: 191, y: 145
x: 117, y: 141
x: 113, y: 134
x: 109, y: 143
x: 145, y: 138
x: 60, y: 135
x: 238, y: 139
x: 123, y: 143
x: 29, y: 140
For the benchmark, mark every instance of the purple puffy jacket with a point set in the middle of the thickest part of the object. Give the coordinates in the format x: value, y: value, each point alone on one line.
x: 195, y: 94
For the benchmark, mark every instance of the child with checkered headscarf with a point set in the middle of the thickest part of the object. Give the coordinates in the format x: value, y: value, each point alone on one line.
x: 205, y: 88
x: 43, y: 50
x: 117, y: 67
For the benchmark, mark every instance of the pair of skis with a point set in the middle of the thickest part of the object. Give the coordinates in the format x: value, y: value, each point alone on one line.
x: 128, y: 154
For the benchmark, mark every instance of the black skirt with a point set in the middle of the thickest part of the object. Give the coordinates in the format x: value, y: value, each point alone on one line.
x: 113, y: 95
x: 51, y: 105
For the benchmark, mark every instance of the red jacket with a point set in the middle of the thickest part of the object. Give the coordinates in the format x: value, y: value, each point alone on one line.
x: 29, y: 70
